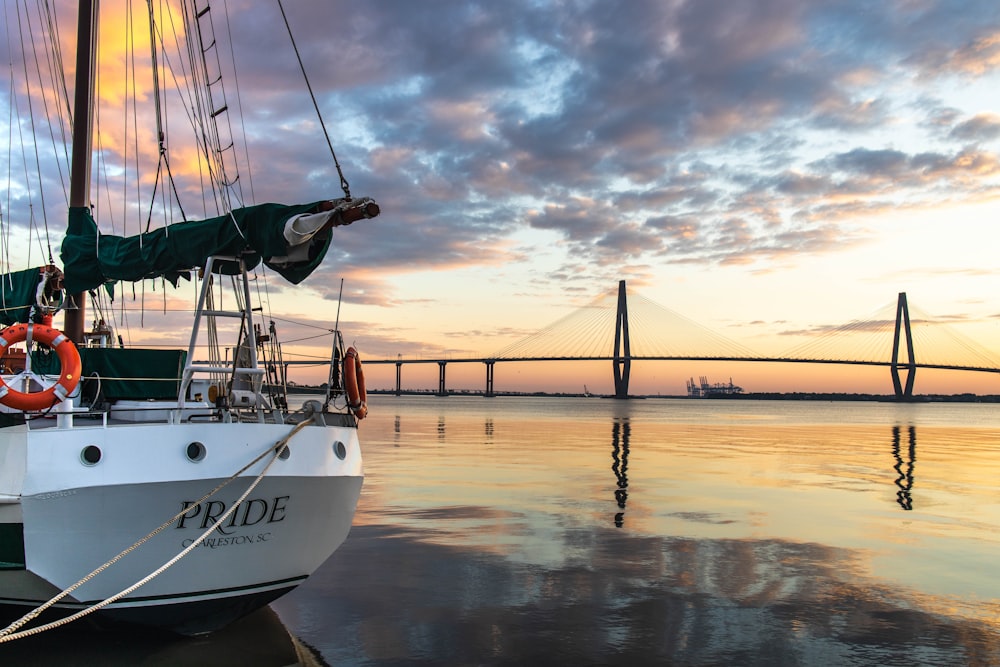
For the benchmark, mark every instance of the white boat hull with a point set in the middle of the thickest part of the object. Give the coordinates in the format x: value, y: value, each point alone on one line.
x: 75, y: 516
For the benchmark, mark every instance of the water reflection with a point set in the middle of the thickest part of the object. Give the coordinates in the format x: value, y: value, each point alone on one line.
x: 904, y: 468
x: 639, y: 600
x: 258, y: 639
x: 745, y: 545
x: 620, y: 433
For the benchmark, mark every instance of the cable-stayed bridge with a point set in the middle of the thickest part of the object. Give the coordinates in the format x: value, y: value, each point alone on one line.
x: 622, y: 329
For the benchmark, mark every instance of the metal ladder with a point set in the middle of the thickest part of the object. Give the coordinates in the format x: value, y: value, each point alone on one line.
x: 252, y: 372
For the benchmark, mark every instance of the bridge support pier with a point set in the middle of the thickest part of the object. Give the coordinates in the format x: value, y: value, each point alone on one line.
x: 489, y: 379
x: 623, y: 358
x: 903, y: 323
x: 442, y: 391
x: 399, y: 377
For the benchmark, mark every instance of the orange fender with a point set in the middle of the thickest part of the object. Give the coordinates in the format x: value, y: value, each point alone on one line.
x: 354, y: 384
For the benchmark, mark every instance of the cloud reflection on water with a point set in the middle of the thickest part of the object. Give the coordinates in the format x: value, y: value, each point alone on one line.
x: 703, y: 540
x: 392, y: 596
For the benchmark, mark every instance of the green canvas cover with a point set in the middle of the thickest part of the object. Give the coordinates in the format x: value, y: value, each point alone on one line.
x: 91, y: 259
x: 12, y: 546
x: 135, y: 373
x: 129, y: 373
x: 17, y: 295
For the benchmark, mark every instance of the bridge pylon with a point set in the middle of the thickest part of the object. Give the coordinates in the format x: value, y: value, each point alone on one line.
x: 442, y: 388
x: 399, y: 375
x: 623, y: 357
x: 903, y: 326
x: 489, y: 378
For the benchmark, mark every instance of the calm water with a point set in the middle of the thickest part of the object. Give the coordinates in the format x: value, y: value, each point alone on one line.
x: 590, y: 531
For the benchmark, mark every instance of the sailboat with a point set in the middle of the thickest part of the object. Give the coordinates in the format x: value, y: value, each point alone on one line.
x: 168, y: 487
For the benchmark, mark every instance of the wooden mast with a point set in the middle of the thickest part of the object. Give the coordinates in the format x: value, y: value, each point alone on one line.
x: 83, y: 124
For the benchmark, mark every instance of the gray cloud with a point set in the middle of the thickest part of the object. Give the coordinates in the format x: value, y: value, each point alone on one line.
x: 981, y: 127
x: 638, y: 132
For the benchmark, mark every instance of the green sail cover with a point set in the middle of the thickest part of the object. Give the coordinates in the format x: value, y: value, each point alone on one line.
x: 17, y: 295
x: 91, y: 259
x: 133, y: 373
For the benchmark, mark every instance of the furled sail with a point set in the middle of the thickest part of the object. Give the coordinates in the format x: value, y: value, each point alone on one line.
x: 91, y: 259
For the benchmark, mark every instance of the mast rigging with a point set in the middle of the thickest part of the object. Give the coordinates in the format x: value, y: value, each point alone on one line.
x: 340, y: 172
x: 83, y: 115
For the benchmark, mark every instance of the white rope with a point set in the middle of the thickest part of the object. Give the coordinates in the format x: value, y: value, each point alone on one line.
x: 10, y: 632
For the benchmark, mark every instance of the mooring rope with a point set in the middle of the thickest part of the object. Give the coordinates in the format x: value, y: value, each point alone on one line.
x: 10, y: 632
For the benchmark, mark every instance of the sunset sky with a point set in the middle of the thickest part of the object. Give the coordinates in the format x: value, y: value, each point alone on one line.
x: 770, y: 169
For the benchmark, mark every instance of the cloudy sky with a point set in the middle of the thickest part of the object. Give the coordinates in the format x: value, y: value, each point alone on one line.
x: 767, y: 168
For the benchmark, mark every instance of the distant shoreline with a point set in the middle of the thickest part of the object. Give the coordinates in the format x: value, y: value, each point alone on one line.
x: 752, y: 396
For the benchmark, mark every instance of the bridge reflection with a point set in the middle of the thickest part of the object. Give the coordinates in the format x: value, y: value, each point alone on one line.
x: 621, y: 431
x: 904, y: 467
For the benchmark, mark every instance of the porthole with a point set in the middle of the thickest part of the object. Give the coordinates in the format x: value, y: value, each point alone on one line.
x: 195, y: 451
x: 340, y: 449
x: 91, y: 455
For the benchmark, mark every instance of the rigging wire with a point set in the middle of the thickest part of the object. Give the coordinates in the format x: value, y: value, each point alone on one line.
x: 59, y: 77
x: 103, y: 298
x: 307, y: 338
x: 206, y: 173
x: 228, y: 183
x: 29, y: 191
x: 44, y: 92
x: 239, y: 100
x: 199, y: 111
x: 5, y: 232
x: 303, y: 324
x: 34, y: 134
x: 163, y: 162
x: 186, y: 94
x: 343, y: 181
x: 130, y: 77
x: 130, y: 71
x: 209, y: 113
x: 260, y: 274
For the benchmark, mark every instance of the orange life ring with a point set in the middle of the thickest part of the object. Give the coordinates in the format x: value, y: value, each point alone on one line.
x: 354, y: 384
x: 69, y: 367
